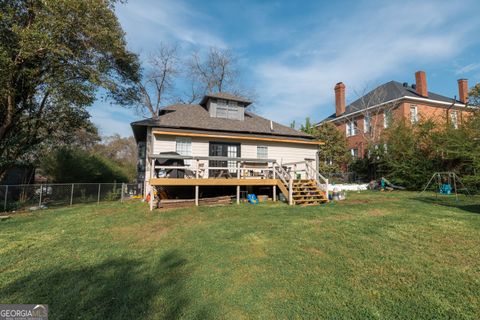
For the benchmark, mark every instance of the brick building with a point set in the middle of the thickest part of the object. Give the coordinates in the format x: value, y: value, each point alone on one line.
x: 364, y: 119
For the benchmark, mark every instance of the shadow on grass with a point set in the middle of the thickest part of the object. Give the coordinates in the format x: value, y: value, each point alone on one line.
x: 465, y: 203
x: 114, y: 289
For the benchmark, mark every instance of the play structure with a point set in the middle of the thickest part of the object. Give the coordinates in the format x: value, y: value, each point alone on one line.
x: 446, y: 183
x: 383, y: 185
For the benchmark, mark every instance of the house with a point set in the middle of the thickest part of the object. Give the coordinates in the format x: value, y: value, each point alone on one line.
x: 364, y: 119
x: 218, y: 146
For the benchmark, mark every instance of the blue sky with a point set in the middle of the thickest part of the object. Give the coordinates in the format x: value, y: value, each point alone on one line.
x: 293, y: 52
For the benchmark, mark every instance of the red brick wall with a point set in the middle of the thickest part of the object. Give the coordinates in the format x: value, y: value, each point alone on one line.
x: 425, y: 111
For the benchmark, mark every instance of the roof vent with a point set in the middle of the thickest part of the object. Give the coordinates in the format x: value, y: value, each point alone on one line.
x: 271, y: 125
x: 405, y: 84
x: 414, y: 86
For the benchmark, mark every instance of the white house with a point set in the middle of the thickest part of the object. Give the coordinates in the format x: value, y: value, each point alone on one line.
x: 219, y: 143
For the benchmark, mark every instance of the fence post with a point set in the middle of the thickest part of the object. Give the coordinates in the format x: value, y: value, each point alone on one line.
x: 98, y: 196
x: 71, y: 194
x: 5, y: 202
x: 121, y: 192
x: 41, y: 192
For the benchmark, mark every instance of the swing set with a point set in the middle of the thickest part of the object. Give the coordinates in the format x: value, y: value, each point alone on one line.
x: 446, y: 183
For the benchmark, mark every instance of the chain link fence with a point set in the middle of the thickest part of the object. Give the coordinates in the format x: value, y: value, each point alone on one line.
x: 41, y: 196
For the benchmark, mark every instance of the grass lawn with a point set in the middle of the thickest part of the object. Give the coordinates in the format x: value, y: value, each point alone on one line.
x: 376, y: 255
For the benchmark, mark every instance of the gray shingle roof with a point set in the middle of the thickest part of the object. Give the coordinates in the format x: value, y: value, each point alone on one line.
x: 196, y: 117
x: 226, y: 96
x: 386, y: 92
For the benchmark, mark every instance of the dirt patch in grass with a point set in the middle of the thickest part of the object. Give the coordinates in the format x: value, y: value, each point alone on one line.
x: 377, y: 213
x: 314, y: 251
x: 141, y: 234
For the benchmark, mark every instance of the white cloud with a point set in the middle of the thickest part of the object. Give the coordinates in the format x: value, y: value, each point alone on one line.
x: 363, y: 47
x: 468, y: 68
x: 148, y: 22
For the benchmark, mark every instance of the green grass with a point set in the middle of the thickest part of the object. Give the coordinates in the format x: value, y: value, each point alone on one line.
x: 374, y: 256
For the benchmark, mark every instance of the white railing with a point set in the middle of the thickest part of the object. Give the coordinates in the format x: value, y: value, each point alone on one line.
x: 313, y: 174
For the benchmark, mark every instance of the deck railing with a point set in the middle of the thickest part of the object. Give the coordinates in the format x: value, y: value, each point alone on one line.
x: 239, y: 168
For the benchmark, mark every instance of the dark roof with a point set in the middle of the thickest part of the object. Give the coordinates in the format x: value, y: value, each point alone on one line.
x: 386, y: 92
x: 225, y: 96
x: 195, y: 117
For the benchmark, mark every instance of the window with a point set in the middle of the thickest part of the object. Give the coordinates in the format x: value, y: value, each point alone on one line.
x: 351, y: 128
x: 228, y: 110
x: 387, y: 118
x: 354, y: 152
x: 413, y: 114
x: 262, y: 152
x: 184, y: 148
x: 222, y: 109
x: 367, y: 124
x: 454, y: 118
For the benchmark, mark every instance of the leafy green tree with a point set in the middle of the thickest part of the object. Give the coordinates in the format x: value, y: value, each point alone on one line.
x: 76, y: 165
x: 122, y: 151
x: 474, y: 95
x: 54, y: 56
x: 333, y: 155
x: 308, y: 127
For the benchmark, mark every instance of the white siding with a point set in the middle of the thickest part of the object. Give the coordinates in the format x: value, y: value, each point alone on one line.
x: 280, y: 151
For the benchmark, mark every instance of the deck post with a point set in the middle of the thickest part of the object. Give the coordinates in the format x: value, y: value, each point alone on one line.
x: 274, y: 196
x: 238, y: 194
x: 151, y: 197
x: 238, y: 187
x: 196, y: 195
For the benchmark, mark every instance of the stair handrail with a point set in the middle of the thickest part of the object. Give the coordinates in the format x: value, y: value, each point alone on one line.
x: 282, y: 173
x: 317, y: 176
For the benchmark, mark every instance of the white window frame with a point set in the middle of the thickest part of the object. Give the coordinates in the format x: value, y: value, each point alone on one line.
x: 367, y: 124
x: 352, y: 152
x: 414, y: 115
x: 183, y: 146
x: 351, y: 127
x: 454, y: 118
x: 262, y: 155
x: 387, y: 118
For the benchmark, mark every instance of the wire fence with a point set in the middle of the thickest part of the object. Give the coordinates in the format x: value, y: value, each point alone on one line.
x: 41, y: 196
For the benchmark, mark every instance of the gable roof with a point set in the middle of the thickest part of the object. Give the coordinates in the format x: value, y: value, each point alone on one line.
x: 225, y: 96
x: 389, y: 91
x: 197, y: 118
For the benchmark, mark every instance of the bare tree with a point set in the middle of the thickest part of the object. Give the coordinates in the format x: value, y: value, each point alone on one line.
x: 158, y: 84
x: 375, y: 112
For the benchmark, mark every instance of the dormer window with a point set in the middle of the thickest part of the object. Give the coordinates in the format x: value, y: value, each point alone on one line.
x: 226, y: 109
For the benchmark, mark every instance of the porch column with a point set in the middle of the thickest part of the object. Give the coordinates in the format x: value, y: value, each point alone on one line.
x: 274, y: 196
x: 238, y: 187
x: 196, y: 195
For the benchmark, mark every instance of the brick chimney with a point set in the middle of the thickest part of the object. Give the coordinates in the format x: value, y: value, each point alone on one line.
x: 463, y: 90
x: 421, y: 83
x: 339, y: 99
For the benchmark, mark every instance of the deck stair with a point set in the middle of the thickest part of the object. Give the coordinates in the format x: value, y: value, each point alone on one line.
x: 307, y: 193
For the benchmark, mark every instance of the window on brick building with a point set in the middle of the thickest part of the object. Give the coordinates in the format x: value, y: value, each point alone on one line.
x: 413, y: 114
x: 352, y: 128
x: 354, y: 152
x: 387, y: 118
x: 367, y: 124
x: 454, y: 118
